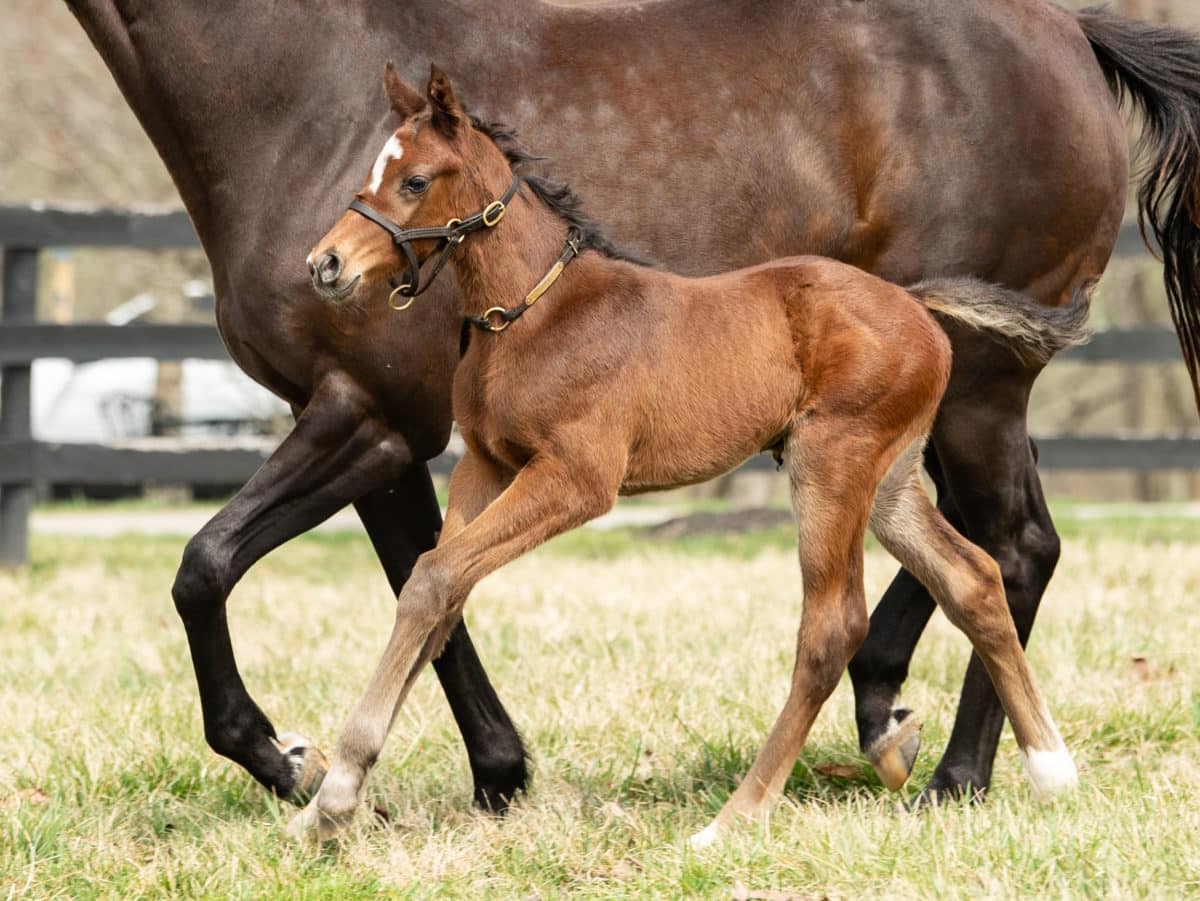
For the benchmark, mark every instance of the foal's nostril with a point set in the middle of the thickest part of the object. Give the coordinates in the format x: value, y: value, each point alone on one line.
x: 329, y: 267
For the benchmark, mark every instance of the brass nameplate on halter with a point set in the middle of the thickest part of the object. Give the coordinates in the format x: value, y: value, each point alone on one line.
x: 544, y: 285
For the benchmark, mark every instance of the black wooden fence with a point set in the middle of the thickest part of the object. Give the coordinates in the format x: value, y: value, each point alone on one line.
x: 24, y: 231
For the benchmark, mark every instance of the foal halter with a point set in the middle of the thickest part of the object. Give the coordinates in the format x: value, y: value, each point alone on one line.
x: 451, y: 234
x: 497, y: 319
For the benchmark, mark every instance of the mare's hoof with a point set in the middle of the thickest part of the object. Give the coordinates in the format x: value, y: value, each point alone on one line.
x: 894, y: 753
x: 497, y: 796
x: 932, y: 797
x: 308, y: 765
x: 945, y: 789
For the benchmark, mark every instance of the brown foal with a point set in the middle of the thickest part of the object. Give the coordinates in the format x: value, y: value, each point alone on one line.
x: 626, y: 379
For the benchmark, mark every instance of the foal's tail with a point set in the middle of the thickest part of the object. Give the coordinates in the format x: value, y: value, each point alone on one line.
x: 1032, y: 331
x: 1156, y: 69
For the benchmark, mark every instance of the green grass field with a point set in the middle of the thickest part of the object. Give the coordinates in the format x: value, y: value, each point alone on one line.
x: 643, y: 675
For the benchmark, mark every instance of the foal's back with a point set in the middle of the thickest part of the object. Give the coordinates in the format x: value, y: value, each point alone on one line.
x: 722, y: 367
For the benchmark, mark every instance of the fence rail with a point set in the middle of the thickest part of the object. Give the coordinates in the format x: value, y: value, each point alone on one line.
x: 25, y: 230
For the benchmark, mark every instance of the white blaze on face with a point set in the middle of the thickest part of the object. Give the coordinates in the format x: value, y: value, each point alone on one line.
x: 391, y: 151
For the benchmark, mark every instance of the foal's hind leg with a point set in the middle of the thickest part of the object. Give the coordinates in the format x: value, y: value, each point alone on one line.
x: 966, y: 583
x: 990, y: 491
x: 888, y: 735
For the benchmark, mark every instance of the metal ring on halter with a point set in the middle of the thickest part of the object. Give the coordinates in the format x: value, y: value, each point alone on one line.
x: 504, y: 323
x: 400, y: 308
x: 454, y: 223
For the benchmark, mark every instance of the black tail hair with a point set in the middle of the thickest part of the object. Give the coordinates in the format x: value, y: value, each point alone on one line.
x: 1156, y: 70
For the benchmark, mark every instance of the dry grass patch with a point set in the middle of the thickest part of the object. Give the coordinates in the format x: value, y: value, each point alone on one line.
x: 643, y: 675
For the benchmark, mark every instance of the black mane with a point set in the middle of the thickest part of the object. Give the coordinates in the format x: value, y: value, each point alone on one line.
x: 557, y: 195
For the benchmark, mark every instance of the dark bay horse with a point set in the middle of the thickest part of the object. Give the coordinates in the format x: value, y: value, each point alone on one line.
x: 629, y: 379
x: 911, y: 139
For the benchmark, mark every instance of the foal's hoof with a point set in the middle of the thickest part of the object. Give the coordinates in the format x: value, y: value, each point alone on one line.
x: 894, y: 753
x: 308, y: 765
x: 312, y: 826
x: 1051, y: 773
x: 707, y: 837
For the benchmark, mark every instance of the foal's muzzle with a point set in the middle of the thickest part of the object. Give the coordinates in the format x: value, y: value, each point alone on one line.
x: 326, y: 272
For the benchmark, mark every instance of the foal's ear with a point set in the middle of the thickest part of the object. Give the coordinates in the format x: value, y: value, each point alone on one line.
x: 447, y: 114
x: 406, y: 100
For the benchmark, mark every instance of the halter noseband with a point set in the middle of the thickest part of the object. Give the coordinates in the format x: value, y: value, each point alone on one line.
x: 452, y: 234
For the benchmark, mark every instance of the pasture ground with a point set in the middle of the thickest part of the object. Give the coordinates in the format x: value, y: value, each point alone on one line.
x: 643, y: 674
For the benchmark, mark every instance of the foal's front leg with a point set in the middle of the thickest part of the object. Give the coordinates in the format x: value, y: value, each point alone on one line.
x: 545, y: 499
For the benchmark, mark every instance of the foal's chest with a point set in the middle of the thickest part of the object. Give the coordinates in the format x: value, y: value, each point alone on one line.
x: 498, y: 412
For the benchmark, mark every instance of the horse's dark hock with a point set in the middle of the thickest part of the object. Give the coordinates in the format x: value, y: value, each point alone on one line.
x: 712, y: 134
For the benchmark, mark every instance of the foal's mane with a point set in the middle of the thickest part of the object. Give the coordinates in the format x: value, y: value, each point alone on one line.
x: 557, y: 195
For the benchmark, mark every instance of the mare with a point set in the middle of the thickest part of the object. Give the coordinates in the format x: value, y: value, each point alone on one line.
x: 628, y: 379
x: 994, y: 147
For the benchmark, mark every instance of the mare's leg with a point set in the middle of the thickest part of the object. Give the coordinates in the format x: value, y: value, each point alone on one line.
x: 833, y: 476
x: 545, y: 499
x: 403, y: 522
x: 967, y: 585
x: 333, y: 455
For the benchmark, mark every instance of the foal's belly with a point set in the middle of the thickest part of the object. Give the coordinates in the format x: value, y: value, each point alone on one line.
x: 653, y: 470
x: 715, y: 402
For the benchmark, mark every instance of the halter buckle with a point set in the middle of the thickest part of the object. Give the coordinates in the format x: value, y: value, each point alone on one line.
x: 400, y: 289
x: 493, y: 213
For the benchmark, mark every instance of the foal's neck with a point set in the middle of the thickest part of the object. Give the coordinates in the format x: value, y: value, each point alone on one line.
x: 498, y: 267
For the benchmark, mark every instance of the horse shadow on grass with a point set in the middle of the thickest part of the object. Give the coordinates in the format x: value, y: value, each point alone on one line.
x: 822, y: 776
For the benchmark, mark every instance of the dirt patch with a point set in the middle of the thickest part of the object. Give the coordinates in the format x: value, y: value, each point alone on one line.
x: 734, y: 522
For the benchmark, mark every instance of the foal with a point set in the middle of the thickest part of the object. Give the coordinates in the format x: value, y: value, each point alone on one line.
x: 628, y: 379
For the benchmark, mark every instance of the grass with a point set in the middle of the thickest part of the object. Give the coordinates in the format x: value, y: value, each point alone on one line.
x: 644, y: 676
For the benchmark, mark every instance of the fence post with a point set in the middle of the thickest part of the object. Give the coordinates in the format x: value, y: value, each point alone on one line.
x: 18, y: 303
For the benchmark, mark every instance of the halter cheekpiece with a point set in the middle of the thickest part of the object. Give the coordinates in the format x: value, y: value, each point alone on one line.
x: 496, y: 319
x: 451, y: 234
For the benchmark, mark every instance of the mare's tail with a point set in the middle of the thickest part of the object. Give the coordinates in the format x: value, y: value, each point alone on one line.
x: 1032, y: 331
x: 1156, y: 70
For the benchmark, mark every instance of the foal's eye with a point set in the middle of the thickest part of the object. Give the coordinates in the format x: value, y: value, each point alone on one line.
x: 416, y: 184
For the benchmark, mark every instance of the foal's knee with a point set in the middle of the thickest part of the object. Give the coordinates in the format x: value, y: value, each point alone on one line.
x: 431, y: 592
x: 202, y: 581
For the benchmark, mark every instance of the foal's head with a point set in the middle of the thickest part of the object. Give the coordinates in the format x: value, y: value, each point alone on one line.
x: 433, y: 169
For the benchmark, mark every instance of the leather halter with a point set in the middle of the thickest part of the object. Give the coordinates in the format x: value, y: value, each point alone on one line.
x: 497, y: 319
x: 451, y: 234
